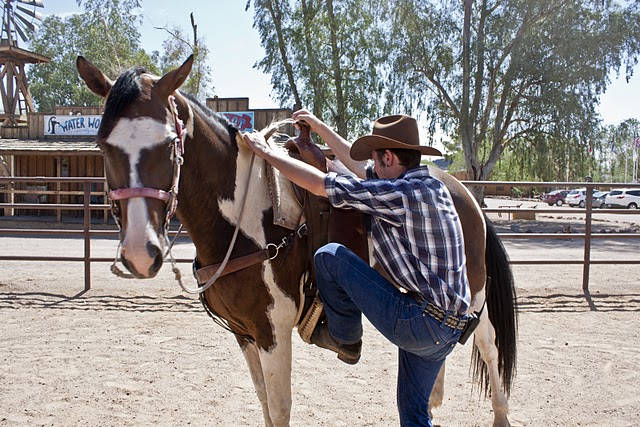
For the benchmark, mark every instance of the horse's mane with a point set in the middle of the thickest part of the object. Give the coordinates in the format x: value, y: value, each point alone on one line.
x: 218, y: 122
x: 126, y: 90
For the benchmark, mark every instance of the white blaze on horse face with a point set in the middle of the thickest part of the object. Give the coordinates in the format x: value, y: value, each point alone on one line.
x: 133, y: 136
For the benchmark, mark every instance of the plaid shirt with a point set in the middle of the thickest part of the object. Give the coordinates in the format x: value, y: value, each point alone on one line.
x: 416, y: 232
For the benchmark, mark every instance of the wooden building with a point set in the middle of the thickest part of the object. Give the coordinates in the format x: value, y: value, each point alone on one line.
x: 262, y: 117
x: 34, y: 151
x: 41, y: 149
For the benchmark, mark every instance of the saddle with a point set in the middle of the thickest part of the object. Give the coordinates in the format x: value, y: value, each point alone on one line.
x: 325, y: 224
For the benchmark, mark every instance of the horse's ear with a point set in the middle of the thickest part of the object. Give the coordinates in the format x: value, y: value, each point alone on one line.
x: 93, y: 77
x: 171, y: 81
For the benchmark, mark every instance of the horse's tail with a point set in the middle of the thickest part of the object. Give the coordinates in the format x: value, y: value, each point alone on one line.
x: 502, y: 308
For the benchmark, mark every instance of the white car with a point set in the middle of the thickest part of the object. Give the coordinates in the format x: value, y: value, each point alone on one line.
x: 623, y: 198
x: 577, y: 197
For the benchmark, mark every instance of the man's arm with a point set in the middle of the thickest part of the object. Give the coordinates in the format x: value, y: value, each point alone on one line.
x: 340, y: 146
x: 300, y: 173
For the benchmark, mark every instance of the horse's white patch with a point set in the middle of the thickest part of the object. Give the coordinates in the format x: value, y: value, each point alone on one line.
x: 189, y: 125
x: 132, y: 136
x: 283, y: 311
x: 257, y: 198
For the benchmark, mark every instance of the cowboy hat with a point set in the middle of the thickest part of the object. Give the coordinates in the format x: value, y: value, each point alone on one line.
x: 391, y: 132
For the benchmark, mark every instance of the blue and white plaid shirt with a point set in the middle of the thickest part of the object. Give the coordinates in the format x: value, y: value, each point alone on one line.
x: 416, y: 232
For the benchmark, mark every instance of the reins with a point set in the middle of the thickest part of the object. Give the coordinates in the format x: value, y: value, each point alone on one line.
x: 208, y: 274
x: 220, y: 270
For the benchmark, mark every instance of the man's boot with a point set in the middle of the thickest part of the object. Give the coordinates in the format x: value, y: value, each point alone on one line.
x: 348, y: 353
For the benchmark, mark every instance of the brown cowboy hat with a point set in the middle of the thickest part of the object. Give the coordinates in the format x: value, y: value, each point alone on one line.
x: 391, y: 132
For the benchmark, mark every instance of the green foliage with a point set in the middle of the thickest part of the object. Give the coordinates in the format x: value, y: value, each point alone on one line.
x: 522, y: 76
x: 616, y: 151
x: 176, y: 49
x: 326, y: 56
x: 106, y: 34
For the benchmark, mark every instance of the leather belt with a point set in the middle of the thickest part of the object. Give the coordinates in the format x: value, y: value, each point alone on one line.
x: 440, y: 315
x: 437, y: 313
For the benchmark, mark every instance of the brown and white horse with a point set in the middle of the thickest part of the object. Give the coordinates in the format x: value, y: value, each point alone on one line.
x: 153, y: 161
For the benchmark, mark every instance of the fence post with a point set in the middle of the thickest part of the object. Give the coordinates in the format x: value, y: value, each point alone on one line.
x: 587, y: 240
x: 87, y: 236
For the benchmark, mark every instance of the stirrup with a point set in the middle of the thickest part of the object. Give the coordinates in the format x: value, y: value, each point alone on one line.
x: 310, y: 321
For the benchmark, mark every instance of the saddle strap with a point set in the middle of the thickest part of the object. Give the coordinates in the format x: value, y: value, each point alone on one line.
x: 203, y: 274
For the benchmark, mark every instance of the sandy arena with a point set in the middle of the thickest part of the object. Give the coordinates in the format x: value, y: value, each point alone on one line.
x: 144, y: 353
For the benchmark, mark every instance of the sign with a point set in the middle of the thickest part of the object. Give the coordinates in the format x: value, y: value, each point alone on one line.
x: 89, y: 124
x: 243, y: 120
x: 72, y: 125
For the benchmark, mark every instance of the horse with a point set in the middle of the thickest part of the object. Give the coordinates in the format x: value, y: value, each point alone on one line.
x: 166, y: 153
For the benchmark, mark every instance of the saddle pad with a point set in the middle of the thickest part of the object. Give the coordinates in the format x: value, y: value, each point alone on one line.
x: 287, y: 210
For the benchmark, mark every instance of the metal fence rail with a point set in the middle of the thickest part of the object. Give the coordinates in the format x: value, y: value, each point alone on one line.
x: 587, y: 235
x: 86, y: 207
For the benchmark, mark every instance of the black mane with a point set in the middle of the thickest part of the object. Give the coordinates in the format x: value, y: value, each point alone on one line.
x: 217, y: 121
x: 126, y: 91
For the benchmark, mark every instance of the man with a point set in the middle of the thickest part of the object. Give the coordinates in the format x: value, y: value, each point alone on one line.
x: 421, y: 303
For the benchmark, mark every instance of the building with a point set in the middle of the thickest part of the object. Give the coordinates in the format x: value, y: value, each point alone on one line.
x: 62, y: 144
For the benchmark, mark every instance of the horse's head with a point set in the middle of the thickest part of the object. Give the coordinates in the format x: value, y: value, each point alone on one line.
x: 142, y: 139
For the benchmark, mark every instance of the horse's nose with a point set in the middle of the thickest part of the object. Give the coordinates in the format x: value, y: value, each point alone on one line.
x: 143, y: 264
x: 155, y: 252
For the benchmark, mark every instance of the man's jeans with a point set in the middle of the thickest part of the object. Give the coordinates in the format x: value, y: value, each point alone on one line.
x: 349, y: 287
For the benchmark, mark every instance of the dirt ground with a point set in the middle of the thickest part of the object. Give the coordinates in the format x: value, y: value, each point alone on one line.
x: 143, y: 353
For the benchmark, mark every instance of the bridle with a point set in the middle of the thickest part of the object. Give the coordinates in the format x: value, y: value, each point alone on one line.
x: 169, y: 197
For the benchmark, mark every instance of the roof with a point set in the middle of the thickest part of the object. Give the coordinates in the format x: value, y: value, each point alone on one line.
x: 48, y: 147
x: 8, y: 52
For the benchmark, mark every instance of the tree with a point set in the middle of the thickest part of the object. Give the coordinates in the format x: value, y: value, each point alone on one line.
x: 320, y: 60
x: 106, y: 33
x: 176, y: 49
x: 510, y: 73
x: 496, y: 75
x: 620, y: 145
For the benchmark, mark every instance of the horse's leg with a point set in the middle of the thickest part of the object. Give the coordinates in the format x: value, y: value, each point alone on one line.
x: 276, y: 371
x: 437, y: 394
x: 484, y: 339
x: 251, y: 355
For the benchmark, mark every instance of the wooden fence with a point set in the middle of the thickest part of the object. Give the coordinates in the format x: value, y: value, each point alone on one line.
x: 88, y: 196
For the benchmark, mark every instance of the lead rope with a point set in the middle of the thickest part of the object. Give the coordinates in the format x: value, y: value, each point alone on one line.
x: 176, y: 271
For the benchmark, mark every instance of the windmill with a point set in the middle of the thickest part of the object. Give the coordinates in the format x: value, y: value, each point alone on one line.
x: 18, y: 23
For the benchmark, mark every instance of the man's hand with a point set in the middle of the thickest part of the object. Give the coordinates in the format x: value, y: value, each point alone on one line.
x: 307, y: 117
x: 338, y: 145
x: 257, y: 143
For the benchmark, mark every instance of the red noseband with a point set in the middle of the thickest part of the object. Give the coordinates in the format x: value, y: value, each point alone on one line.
x: 127, y: 193
x: 170, y: 197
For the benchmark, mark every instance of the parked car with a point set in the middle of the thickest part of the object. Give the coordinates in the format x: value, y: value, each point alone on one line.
x: 599, y: 198
x: 623, y: 198
x: 577, y: 197
x: 555, y: 197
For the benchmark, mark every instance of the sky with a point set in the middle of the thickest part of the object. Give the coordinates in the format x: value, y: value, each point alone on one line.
x: 235, y: 47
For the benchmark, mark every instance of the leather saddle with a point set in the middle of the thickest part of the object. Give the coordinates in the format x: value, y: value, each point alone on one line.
x: 325, y: 224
